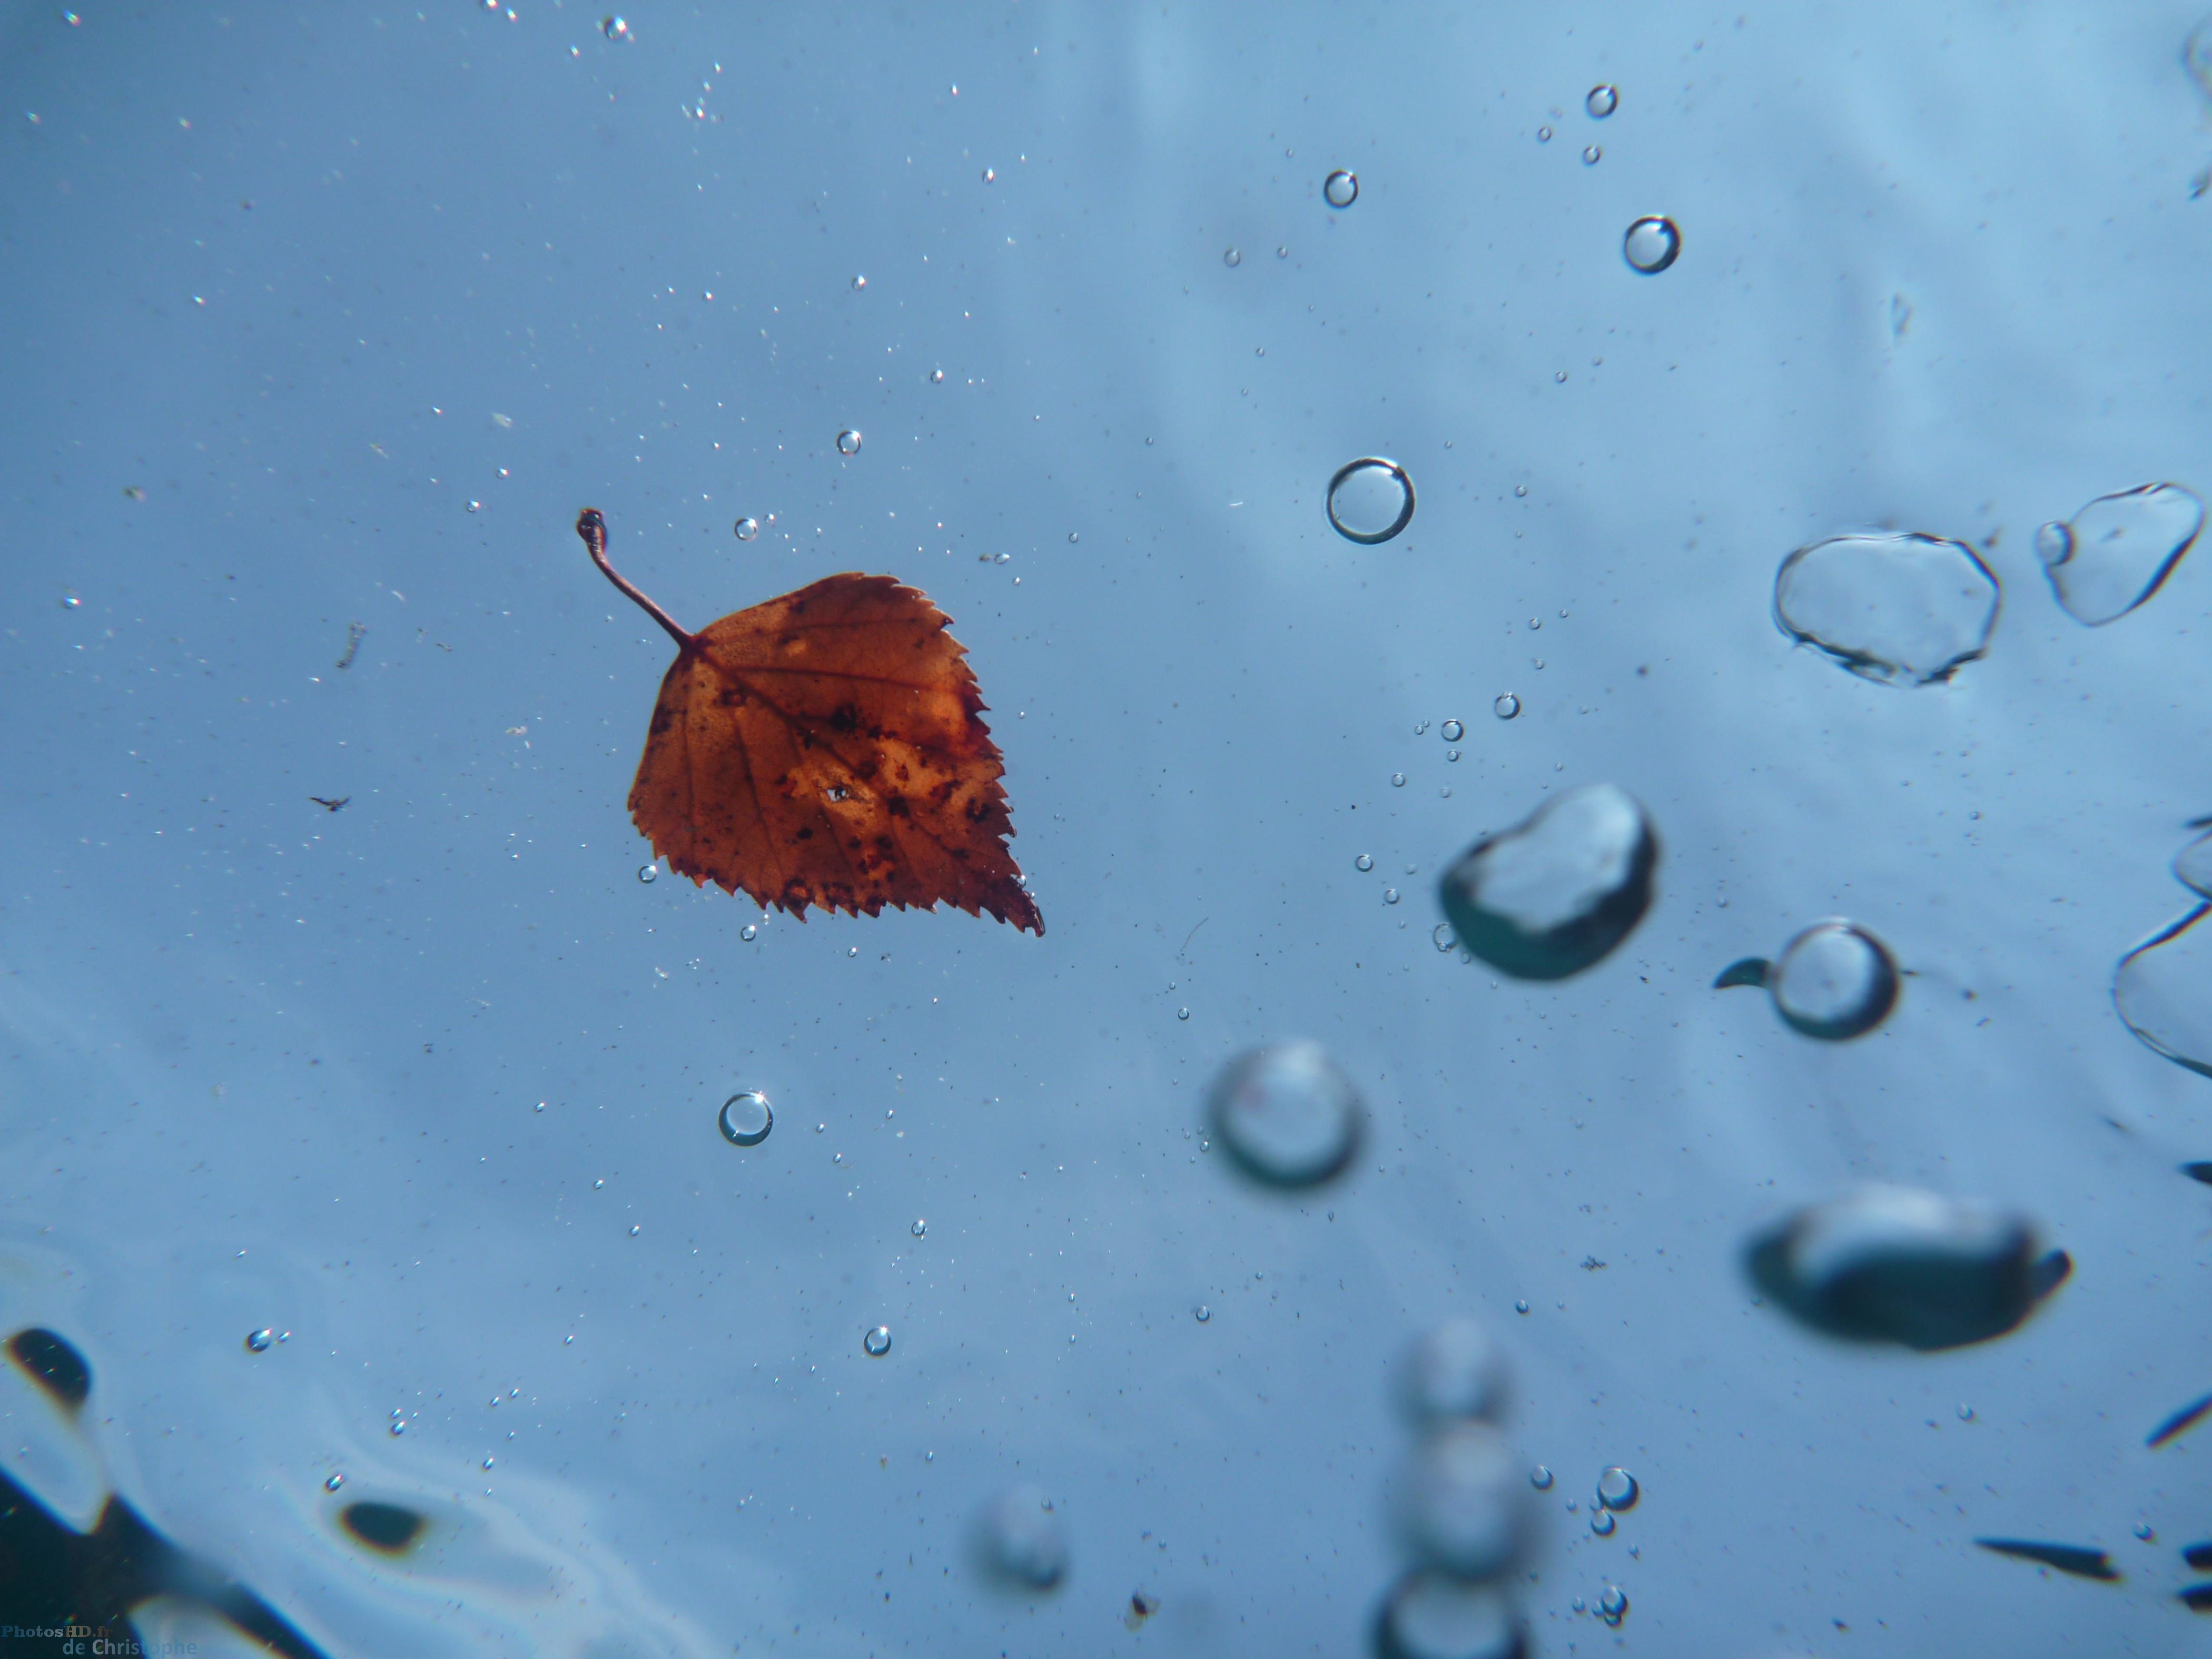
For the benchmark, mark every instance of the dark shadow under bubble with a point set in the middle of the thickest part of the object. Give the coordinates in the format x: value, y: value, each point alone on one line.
x: 2075, y: 1558
x: 2197, y: 1598
x: 52, y: 1364
x: 1751, y: 971
x: 390, y: 1528
x: 2198, y: 1556
x: 50, y: 1574
x: 2183, y: 1420
x: 2201, y: 1170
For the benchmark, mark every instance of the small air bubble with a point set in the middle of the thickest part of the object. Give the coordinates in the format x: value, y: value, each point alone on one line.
x: 1397, y: 780
x: 1520, y: 490
x: 1451, y: 754
x: 334, y: 1481
x: 1506, y: 706
x: 1445, y: 938
x: 1522, y: 1307
x: 648, y: 873
x: 1451, y: 732
x: 1539, y: 1477
x: 1389, y: 895
x: 1182, y: 1013
x: 475, y: 506
x: 1601, y: 1524
x: 1340, y: 189
x: 1364, y: 861
x: 990, y: 177
x: 878, y: 1342
x: 1651, y: 244
x: 617, y: 28
x: 1204, y: 1313
x: 937, y: 377
x: 1617, y: 1488
x: 258, y: 1341
x: 1543, y: 134
x: 858, y: 282
x: 746, y: 1118
x: 919, y: 1227
x: 1591, y: 154
x: 848, y: 442
x: 747, y: 528
x: 748, y: 932
x: 1229, y: 256
x: 1282, y: 253
x: 1601, y: 103
x: 70, y: 600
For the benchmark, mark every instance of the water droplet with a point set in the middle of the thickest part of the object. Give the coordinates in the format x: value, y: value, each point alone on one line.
x: 1364, y: 861
x: 1897, y: 608
x: 1617, y: 1488
x: 1389, y: 895
x: 1894, y: 1264
x: 1834, y: 981
x: 1554, y: 894
x: 1451, y: 732
x: 1652, y: 245
x: 1461, y: 1504
x: 1229, y: 256
x: 1397, y: 780
x: 748, y: 932
x: 848, y: 442
x: 616, y: 28
x: 1182, y: 1013
x: 332, y: 1481
x: 746, y: 1119
x: 1370, y: 499
x: 1203, y: 1313
x: 1023, y: 1541
x: 1539, y: 1477
x: 648, y: 873
x: 258, y: 1341
x: 878, y: 1342
x: 1601, y: 1522
x: 1543, y: 134
x: 1453, y: 1369
x: 1340, y: 189
x: 1592, y: 154
x: 1506, y: 706
x: 1432, y: 1615
x: 747, y: 528
x: 1612, y: 1605
x: 858, y: 282
x: 1445, y: 938
x: 1601, y: 103
x: 2116, y: 551
x: 1288, y: 1116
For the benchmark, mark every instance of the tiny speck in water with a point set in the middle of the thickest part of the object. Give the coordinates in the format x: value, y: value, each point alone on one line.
x: 878, y: 1342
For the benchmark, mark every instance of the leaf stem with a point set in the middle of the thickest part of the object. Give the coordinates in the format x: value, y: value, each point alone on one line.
x: 593, y: 529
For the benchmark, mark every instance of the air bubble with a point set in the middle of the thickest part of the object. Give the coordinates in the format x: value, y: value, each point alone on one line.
x: 258, y: 1341
x: 648, y: 873
x: 745, y: 1119
x: 748, y: 932
x: 1231, y: 258
x: 1592, y: 154
x: 1617, y: 1488
x: 1363, y: 862
x: 1897, y: 608
x: 1601, y: 1522
x: 1539, y: 1477
x: 990, y: 176
x: 617, y: 28
x: 1461, y: 1504
x: 1451, y: 732
x: 747, y: 528
x: 2159, y: 991
x: 878, y: 1342
x: 858, y: 282
x: 1551, y: 895
x: 1835, y: 981
x: 1612, y: 1605
x: 1445, y: 938
x: 937, y: 377
x: 1397, y: 780
x: 848, y: 442
x: 1289, y: 1116
x: 1182, y: 1013
x: 1370, y: 499
x: 1203, y: 1313
x: 332, y: 1481
x: 1389, y: 895
x: 1453, y: 1369
x: 1506, y: 706
x: 70, y: 600
x: 1432, y: 1615
x: 1024, y: 1542
x: 1602, y: 101
x: 1652, y: 244
x: 920, y: 1228
x: 1543, y: 134
x: 1340, y: 189
x: 2118, y: 551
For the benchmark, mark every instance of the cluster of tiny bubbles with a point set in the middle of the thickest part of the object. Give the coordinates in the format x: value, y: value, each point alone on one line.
x: 878, y: 1342
x: 1591, y: 154
x: 1446, y: 939
x: 747, y: 528
x: 1370, y: 499
x: 848, y: 441
x: 1340, y: 189
x: 1451, y: 732
x: 332, y: 1481
x: 748, y: 933
x: 746, y: 1119
x: 1601, y: 103
x: 858, y: 282
x: 648, y: 873
x: 1397, y: 780
x: 1651, y: 244
x: 1539, y: 1477
x: 1023, y: 1541
x: 258, y: 1341
x: 937, y: 377
x: 1364, y: 861
x: 1420, y: 728
x: 617, y: 28
x: 1229, y: 256
x: 1612, y: 1605
x: 919, y: 1227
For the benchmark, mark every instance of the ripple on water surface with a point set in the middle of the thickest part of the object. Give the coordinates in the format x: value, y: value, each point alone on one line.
x: 1901, y: 609
x: 1555, y: 893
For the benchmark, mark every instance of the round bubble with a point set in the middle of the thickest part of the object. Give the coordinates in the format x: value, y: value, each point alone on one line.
x: 1370, y: 499
x: 1451, y: 732
x: 1432, y: 1615
x: 1652, y: 244
x: 1507, y: 706
x: 1897, y: 607
x: 878, y: 1342
x: 1023, y: 1541
x: 1288, y: 1116
x: 258, y: 1341
x: 1617, y: 1488
x: 1463, y: 1505
x: 1340, y: 189
x: 1555, y: 893
x: 747, y: 528
x: 1602, y: 101
x: 1835, y: 981
x: 848, y: 442
x: 746, y: 1119
x: 1453, y: 1369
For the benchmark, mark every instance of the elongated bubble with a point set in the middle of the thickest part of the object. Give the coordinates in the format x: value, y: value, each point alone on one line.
x: 1902, y: 610
x: 2118, y: 551
x: 1555, y: 893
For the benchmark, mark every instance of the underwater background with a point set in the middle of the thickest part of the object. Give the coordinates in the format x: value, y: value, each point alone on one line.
x: 321, y: 325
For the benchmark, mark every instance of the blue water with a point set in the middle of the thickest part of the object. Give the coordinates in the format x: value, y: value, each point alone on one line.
x: 322, y: 319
